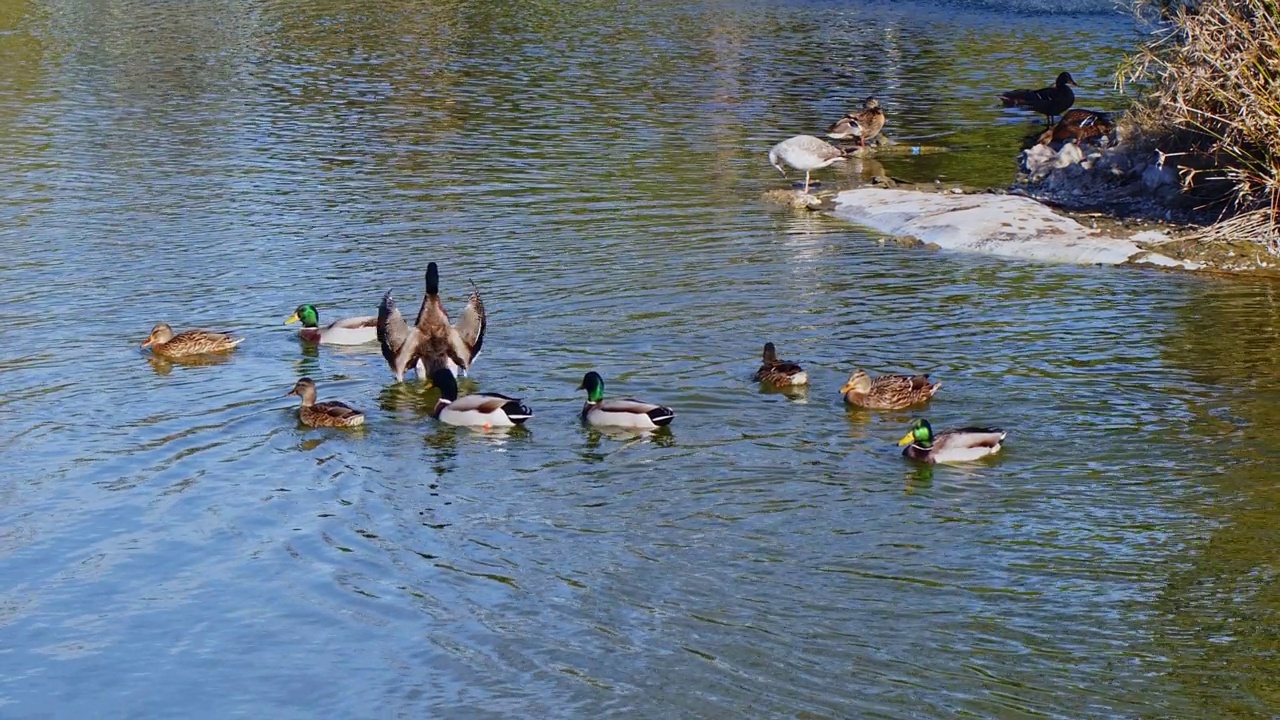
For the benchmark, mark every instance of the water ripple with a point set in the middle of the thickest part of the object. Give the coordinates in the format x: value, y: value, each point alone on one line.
x: 596, y: 172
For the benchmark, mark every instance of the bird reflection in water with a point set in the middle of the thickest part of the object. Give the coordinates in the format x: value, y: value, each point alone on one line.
x: 596, y: 438
x: 408, y: 397
x: 442, y: 442
x: 164, y: 365
x: 920, y: 478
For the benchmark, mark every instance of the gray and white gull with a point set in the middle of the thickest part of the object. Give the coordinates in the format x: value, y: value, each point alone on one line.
x: 804, y: 152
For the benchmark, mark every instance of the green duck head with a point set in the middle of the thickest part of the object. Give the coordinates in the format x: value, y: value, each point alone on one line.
x: 594, y: 385
x: 920, y: 435
x: 308, y: 314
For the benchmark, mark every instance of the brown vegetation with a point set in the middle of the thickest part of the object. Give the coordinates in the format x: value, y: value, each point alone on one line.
x: 1211, y: 87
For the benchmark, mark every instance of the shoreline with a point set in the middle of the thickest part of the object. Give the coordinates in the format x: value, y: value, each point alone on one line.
x: 1057, y: 212
x: 1000, y: 224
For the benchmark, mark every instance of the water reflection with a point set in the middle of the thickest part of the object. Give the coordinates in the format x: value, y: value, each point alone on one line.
x: 163, y: 365
x: 601, y: 436
x: 412, y: 397
x: 598, y: 173
x: 442, y: 443
x: 861, y: 170
x: 794, y: 393
x: 918, y: 479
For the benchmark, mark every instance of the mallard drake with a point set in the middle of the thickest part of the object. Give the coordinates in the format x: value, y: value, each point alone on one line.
x: 325, y: 414
x: 627, y: 412
x: 864, y: 124
x: 432, y: 342
x: 162, y: 341
x: 1078, y: 125
x: 887, y: 392
x: 804, y: 152
x: 1049, y: 101
x: 486, y: 410
x: 779, y: 373
x: 347, y: 331
x: 950, y: 446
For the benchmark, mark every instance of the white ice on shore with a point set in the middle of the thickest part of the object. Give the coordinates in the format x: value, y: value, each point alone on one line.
x: 1006, y: 225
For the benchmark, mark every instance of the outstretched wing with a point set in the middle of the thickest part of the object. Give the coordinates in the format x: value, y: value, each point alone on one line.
x: 468, y: 335
x: 395, y: 337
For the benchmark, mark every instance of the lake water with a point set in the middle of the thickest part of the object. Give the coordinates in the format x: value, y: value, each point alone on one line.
x: 174, y: 544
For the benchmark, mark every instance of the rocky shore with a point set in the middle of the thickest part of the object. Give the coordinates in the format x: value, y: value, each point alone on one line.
x: 1109, y: 200
x: 1125, y: 180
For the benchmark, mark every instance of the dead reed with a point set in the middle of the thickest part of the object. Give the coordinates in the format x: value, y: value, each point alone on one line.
x: 1210, y: 83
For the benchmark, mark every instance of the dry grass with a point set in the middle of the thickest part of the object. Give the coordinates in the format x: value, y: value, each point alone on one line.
x: 1211, y: 85
x: 1257, y: 225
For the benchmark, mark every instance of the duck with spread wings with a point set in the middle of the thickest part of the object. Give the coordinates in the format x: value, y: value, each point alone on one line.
x: 431, y: 343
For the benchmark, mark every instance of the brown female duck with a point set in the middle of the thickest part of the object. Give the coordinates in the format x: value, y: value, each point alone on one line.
x: 779, y: 373
x: 1078, y: 125
x: 887, y: 392
x: 323, y: 414
x: 864, y: 124
x: 163, y: 342
x: 1048, y: 101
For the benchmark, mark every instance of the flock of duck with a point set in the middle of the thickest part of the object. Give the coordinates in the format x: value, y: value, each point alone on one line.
x: 439, y: 351
x: 809, y: 153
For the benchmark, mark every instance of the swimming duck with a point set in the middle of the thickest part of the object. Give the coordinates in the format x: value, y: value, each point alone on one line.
x: 1048, y: 101
x: 627, y: 412
x: 804, y: 152
x: 432, y: 342
x: 486, y: 410
x: 887, y: 392
x: 950, y: 446
x: 864, y: 124
x: 324, y: 414
x: 347, y: 331
x: 163, y: 342
x: 1078, y: 125
x: 779, y: 373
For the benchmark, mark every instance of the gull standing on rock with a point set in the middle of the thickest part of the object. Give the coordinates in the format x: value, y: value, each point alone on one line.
x: 804, y: 152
